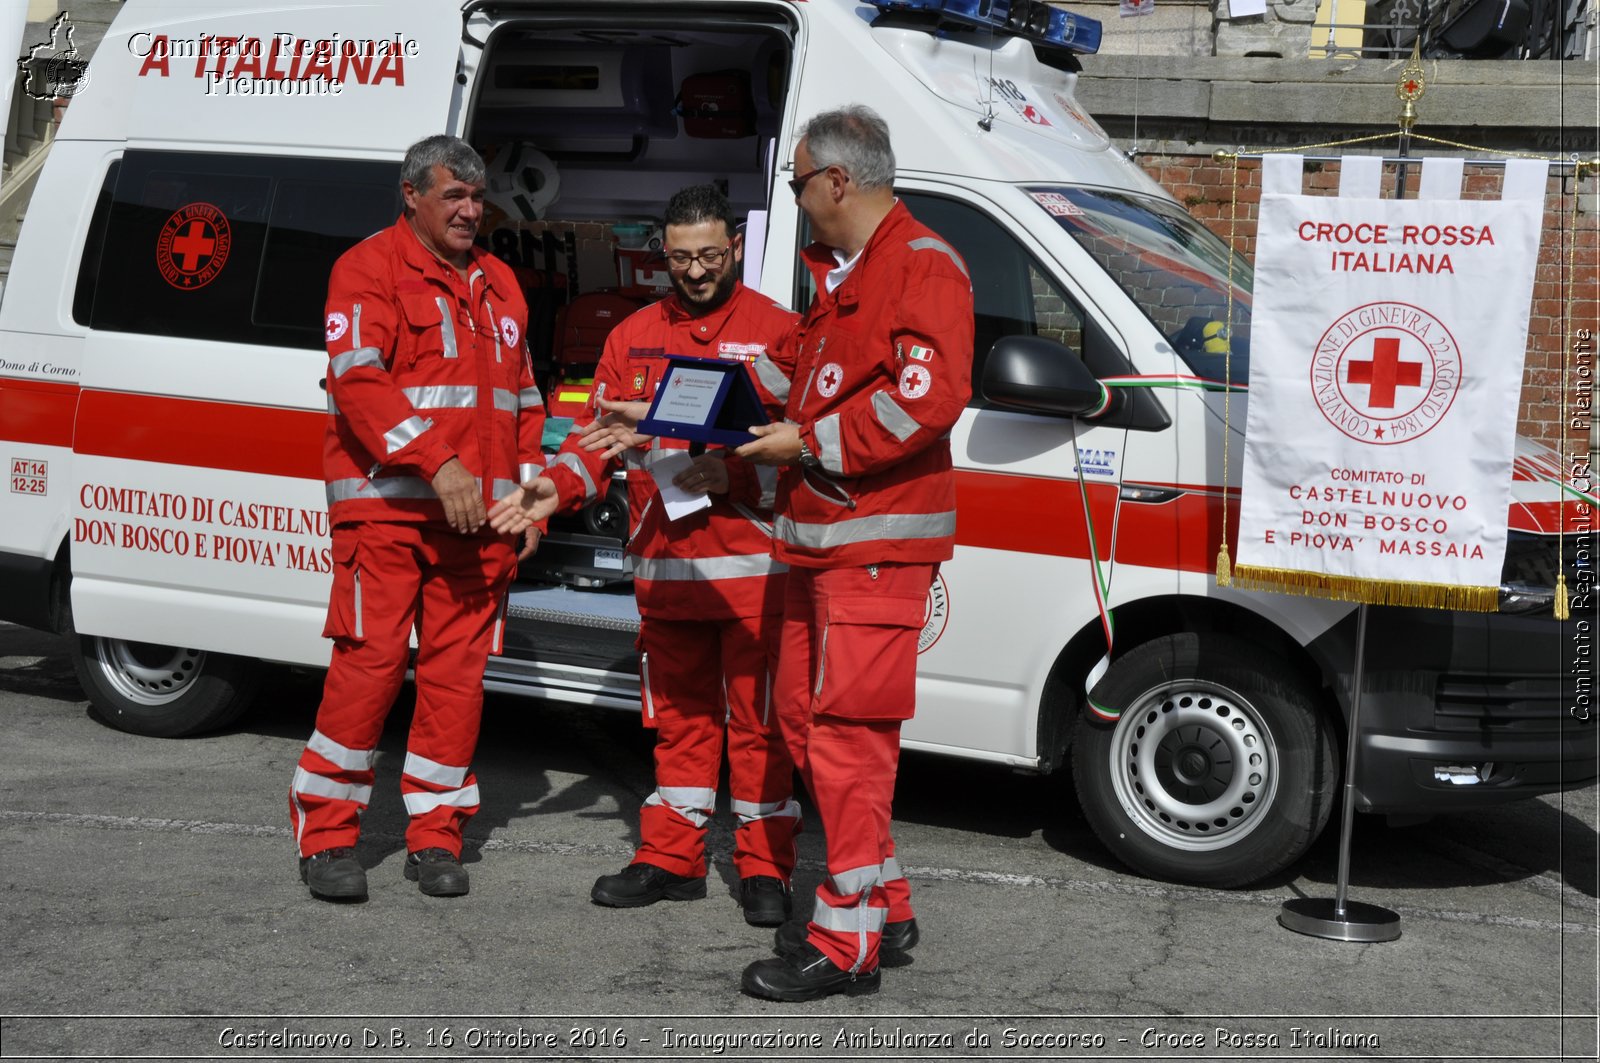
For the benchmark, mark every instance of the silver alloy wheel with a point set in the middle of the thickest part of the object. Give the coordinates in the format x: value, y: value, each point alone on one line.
x: 145, y: 673
x: 1194, y: 765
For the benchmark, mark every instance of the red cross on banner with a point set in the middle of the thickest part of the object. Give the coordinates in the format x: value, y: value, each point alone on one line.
x: 1384, y: 372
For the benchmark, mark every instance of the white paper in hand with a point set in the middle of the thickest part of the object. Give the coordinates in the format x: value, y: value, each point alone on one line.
x: 679, y: 502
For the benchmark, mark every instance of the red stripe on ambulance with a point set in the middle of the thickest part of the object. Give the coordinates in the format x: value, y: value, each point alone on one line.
x: 214, y: 435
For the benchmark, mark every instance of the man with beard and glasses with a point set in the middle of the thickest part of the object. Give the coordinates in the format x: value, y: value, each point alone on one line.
x: 708, y: 590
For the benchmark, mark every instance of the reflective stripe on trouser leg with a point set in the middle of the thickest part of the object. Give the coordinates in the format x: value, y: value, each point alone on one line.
x: 333, y: 780
x: 464, y: 582
x: 898, y: 889
x: 760, y: 771
x: 853, y: 766
x: 685, y: 688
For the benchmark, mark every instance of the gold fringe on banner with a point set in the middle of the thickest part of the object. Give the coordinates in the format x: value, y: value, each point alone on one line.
x: 1371, y: 591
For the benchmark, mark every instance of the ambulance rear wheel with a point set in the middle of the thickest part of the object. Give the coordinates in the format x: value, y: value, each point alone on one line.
x: 162, y: 691
x: 1221, y: 769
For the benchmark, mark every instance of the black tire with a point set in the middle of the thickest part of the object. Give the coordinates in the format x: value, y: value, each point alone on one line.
x: 162, y: 691
x: 1221, y: 770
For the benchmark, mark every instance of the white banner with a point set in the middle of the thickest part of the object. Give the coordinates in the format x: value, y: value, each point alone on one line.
x: 1385, y: 375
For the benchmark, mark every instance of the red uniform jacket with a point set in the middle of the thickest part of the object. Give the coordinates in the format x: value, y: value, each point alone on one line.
x: 716, y: 563
x: 424, y: 367
x: 877, y: 374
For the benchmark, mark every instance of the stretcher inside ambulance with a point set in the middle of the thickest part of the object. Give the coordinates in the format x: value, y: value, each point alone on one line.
x: 161, y: 349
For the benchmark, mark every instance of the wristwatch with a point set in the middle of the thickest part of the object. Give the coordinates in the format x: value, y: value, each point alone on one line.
x: 808, y: 459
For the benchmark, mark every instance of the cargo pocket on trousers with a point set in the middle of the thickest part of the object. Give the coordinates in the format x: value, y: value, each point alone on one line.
x: 868, y: 667
x: 344, y: 602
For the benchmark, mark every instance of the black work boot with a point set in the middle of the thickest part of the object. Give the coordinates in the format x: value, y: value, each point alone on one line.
x: 437, y: 872
x: 334, y: 875
x: 805, y: 975
x: 765, y: 900
x: 897, y: 940
x: 640, y: 884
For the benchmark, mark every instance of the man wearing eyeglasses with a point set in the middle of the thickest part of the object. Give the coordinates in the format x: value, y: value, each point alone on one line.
x: 870, y: 387
x: 708, y: 590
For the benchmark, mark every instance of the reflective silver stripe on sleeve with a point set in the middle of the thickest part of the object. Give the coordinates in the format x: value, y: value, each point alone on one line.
x: 750, y: 811
x: 701, y: 569
x: 896, y: 421
x: 767, y: 477
x: 772, y: 378
x: 571, y: 461
x: 355, y: 325
x: 434, y: 772
x: 502, y: 488
x: 866, y: 529
x: 528, y: 398
x: 529, y: 472
x: 384, y: 487
x: 343, y: 363
x: 891, y: 870
x: 693, y: 803
x: 405, y: 432
x: 831, y: 453
x: 928, y: 243
x: 443, y: 397
x: 857, y: 879
x: 321, y: 786
x: 849, y: 920
x: 507, y: 400
x: 419, y: 804
x: 345, y: 757
x: 447, y: 326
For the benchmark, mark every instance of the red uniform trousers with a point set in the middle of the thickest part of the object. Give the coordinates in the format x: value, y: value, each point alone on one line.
x: 696, y: 676
x: 846, y: 680
x: 389, y: 577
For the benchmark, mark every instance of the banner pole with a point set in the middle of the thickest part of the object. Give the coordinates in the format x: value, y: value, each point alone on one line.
x: 1341, y: 919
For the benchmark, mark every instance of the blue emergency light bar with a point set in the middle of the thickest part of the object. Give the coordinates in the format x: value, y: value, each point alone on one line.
x: 1033, y: 20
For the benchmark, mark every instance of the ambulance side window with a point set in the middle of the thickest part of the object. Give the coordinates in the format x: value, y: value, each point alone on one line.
x: 1012, y: 294
x: 94, y: 247
x: 233, y: 248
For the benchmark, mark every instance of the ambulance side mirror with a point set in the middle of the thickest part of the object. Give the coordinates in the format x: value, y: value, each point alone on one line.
x: 1036, y: 375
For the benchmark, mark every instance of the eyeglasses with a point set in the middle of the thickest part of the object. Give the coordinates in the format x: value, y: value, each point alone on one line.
x: 798, y: 185
x: 679, y: 261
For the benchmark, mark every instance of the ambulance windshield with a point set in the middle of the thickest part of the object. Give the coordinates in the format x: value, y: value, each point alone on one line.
x: 1172, y: 267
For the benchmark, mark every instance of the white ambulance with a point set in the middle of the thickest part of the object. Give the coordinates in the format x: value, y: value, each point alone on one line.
x: 161, y: 411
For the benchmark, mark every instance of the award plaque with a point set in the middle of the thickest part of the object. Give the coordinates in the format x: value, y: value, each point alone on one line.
x: 706, y: 400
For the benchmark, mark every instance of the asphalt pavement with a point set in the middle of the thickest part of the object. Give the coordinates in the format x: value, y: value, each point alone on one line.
x: 152, y: 910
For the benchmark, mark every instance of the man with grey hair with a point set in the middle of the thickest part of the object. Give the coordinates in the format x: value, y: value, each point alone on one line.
x: 869, y: 389
x: 433, y: 415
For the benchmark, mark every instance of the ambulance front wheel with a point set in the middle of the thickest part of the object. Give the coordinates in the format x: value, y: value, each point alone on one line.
x: 1221, y: 768
x: 162, y: 691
